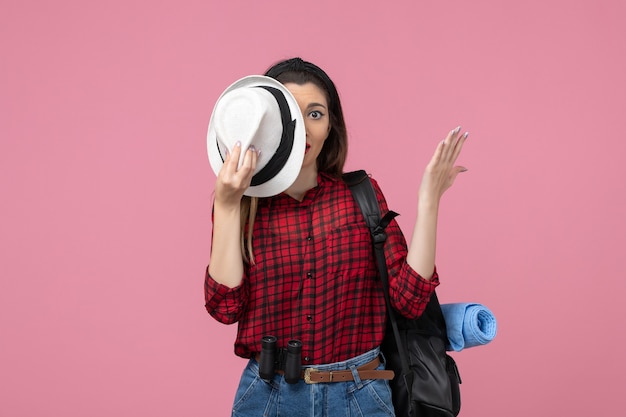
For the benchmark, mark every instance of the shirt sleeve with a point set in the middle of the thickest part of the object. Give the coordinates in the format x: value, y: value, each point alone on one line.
x: 225, y: 304
x: 409, y: 292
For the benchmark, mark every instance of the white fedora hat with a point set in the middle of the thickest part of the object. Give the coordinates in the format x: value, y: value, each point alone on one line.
x: 259, y: 111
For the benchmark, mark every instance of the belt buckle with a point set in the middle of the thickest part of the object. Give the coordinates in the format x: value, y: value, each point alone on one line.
x: 307, y: 376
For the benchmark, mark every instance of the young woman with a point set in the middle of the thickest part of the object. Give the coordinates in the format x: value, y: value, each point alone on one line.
x: 299, y: 266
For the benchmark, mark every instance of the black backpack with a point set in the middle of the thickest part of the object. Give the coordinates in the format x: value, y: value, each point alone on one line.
x: 426, y: 382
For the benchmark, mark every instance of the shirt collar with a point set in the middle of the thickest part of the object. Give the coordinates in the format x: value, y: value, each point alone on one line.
x: 323, y: 182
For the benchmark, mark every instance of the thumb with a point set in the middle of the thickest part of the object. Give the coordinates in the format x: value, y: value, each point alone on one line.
x: 456, y: 171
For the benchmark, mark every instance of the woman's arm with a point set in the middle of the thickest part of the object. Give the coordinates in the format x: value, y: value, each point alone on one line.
x: 439, y: 175
x: 226, y: 266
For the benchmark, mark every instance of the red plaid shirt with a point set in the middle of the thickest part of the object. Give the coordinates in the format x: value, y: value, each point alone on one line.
x: 315, y: 278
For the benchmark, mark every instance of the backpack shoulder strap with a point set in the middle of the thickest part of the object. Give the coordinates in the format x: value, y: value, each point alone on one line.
x: 365, y: 197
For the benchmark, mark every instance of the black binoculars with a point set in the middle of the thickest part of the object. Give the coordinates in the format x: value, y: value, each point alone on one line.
x: 272, y: 359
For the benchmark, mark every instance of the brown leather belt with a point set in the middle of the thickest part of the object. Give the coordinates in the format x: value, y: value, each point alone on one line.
x: 367, y: 371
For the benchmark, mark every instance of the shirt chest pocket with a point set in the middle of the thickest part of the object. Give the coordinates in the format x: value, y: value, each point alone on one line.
x: 347, y: 251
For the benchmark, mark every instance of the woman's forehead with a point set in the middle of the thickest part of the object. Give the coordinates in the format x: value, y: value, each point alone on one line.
x: 307, y: 92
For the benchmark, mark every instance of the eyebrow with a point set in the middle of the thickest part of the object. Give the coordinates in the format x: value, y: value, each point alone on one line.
x: 315, y: 105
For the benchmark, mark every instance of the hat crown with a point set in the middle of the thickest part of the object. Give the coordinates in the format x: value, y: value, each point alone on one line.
x: 250, y: 116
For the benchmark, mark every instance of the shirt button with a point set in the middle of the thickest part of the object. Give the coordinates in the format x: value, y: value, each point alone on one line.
x: 309, y: 318
x: 307, y: 359
x: 309, y: 275
x: 309, y: 238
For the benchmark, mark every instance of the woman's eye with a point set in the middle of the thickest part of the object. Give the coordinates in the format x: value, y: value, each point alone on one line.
x: 315, y: 114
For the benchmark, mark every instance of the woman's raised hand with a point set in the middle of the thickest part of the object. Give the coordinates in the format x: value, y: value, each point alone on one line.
x: 232, y: 181
x: 441, y: 172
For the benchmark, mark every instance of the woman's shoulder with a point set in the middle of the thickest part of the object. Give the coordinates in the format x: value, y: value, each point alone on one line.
x: 354, y: 177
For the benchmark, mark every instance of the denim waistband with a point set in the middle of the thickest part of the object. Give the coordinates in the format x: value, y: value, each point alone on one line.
x: 348, y: 364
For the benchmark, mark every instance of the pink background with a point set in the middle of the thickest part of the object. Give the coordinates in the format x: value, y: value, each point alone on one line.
x: 106, y: 188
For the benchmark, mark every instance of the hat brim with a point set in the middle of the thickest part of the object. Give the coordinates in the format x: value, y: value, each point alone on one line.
x: 288, y: 174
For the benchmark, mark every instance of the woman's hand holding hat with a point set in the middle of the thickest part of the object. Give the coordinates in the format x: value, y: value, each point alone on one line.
x: 226, y: 265
x: 232, y: 181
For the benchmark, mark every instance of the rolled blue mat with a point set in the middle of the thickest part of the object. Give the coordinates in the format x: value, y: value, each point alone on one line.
x: 468, y: 325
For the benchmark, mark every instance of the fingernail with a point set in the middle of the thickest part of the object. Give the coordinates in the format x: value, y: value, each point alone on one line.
x: 237, y: 144
x: 252, y: 148
x: 465, y: 135
x: 457, y: 130
x: 258, y: 153
x: 463, y: 169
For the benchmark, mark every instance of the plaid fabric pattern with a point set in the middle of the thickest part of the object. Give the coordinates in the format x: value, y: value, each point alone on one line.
x: 315, y: 278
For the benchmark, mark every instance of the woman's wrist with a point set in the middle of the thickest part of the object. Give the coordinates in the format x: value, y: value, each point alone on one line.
x: 227, y: 207
x: 427, y: 203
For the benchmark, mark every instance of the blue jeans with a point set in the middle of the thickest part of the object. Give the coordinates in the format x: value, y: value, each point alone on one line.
x: 276, y: 398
